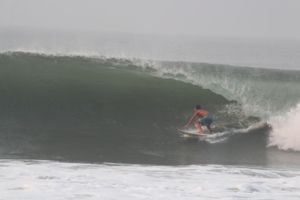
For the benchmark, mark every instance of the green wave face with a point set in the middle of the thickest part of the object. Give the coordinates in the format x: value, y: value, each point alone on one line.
x: 55, y: 106
x: 81, y: 92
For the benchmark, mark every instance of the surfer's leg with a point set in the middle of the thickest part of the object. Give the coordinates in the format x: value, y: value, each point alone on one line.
x: 208, y: 121
x: 209, y: 128
x: 198, y: 126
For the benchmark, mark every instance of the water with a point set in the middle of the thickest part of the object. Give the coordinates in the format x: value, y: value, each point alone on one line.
x: 53, y: 180
x: 119, y: 99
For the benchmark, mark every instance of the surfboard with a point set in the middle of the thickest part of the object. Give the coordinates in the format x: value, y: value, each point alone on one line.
x: 192, y: 133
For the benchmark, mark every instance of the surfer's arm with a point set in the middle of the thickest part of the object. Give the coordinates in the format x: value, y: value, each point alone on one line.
x: 190, y: 120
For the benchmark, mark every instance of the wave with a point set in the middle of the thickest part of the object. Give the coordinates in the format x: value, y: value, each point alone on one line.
x: 52, y: 105
x: 270, y: 94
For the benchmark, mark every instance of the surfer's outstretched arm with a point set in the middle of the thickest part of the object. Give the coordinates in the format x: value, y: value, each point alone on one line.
x: 190, y: 120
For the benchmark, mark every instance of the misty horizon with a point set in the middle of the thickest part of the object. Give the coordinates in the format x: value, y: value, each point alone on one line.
x: 233, y: 18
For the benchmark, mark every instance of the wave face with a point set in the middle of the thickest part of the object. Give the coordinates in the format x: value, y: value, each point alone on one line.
x: 118, y: 110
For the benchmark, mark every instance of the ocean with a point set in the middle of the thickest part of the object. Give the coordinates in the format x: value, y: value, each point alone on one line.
x: 96, y: 116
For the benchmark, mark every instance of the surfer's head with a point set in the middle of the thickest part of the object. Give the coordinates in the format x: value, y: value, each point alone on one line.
x: 198, y: 107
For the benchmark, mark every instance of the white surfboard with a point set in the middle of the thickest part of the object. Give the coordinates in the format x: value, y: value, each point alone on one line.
x: 193, y: 133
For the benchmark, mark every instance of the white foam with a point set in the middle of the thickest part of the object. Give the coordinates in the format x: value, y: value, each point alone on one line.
x: 54, y: 180
x: 286, y: 130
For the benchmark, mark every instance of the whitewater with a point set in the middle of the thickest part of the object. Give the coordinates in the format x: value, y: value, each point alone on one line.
x: 53, y: 180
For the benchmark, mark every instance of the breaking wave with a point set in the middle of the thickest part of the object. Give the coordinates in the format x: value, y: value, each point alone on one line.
x: 107, y: 107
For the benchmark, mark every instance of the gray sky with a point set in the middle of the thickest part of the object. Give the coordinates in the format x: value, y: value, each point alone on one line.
x: 274, y: 18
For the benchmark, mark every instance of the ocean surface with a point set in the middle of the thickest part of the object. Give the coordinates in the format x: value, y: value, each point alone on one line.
x: 96, y: 115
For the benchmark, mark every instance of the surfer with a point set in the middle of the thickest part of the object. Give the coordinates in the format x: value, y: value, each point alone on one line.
x: 202, y: 117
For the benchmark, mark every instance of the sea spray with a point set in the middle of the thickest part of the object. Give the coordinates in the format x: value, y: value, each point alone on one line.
x: 286, y: 130
x: 260, y: 92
